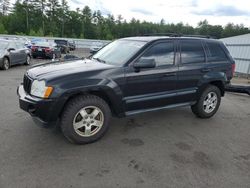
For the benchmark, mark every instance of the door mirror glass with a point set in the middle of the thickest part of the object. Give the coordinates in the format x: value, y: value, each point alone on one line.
x: 144, y: 63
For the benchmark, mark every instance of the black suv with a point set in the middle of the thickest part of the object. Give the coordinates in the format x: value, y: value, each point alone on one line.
x: 64, y: 45
x: 127, y: 77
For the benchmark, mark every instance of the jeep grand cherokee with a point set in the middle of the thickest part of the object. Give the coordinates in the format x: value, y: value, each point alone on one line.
x: 127, y: 77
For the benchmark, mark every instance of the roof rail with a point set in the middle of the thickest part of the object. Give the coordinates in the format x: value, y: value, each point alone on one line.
x: 199, y: 36
x: 178, y: 35
x: 163, y: 34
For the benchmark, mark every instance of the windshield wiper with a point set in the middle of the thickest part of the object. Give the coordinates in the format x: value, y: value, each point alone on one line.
x: 98, y: 59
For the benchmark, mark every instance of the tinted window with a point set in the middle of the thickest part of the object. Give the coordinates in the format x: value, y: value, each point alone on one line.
x: 162, y: 53
x: 192, y: 52
x: 215, y: 52
x: 63, y: 42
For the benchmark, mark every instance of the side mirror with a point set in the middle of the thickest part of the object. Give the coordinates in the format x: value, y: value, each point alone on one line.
x: 144, y: 63
x: 11, y: 49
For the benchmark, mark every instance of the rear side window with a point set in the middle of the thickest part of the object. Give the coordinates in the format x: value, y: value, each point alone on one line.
x: 192, y: 52
x: 215, y: 52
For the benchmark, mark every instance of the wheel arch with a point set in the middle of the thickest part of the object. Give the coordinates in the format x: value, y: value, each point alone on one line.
x: 217, y: 79
x: 7, y: 57
x: 220, y: 85
x: 108, y: 96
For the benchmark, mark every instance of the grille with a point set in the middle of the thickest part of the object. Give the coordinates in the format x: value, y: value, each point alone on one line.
x: 27, y: 83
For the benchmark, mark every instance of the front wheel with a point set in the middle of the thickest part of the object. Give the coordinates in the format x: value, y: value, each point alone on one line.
x: 85, y: 119
x: 6, y: 64
x: 208, y: 102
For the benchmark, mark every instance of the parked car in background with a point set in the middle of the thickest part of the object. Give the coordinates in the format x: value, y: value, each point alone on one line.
x: 25, y: 41
x: 63, y: 44
x: 13, y: 52
x: 46, y: 50
x: 72, y: 45
x: 95, y: 47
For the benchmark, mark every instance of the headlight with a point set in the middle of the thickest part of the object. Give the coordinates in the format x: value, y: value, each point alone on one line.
x: 39, y: 89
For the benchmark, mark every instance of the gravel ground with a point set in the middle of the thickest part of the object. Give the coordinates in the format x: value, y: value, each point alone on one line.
x: 170, y: 148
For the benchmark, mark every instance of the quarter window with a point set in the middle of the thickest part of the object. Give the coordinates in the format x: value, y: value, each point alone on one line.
x: 215, y: 52
x: 162, y: 53
x: 192, y: 52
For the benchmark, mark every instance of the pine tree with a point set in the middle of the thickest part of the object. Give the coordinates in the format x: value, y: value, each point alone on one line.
x: 4, y: 6
x: 52, y: 13
x: 63, y: 15
x: 40, y: 7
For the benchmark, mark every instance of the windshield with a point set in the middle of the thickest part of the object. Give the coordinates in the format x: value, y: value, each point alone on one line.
x: 119, y: 51
x: 4, y: 45
x: 61, y: 41
x: 45, y: 44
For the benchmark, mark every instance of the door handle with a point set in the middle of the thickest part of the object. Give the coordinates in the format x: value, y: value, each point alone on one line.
x: 206, y: 70
x: 169, y: 74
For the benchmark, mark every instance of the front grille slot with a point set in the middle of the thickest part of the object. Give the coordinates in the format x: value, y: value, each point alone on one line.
x: 27, y: 83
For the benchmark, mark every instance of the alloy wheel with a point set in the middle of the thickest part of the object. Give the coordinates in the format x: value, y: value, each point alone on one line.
x: 210, y: 102
x: 88, y: 121
x: 6, y: 64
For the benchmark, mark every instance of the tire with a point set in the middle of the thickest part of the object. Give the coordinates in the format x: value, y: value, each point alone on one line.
x: 28, y: 60
x: 34, y: 56
x: 208, y: 103
x: 78, y: 116
x: 6, y: 64
x: 63, y: 50
x: 53, y: 56
x: 58, y: 55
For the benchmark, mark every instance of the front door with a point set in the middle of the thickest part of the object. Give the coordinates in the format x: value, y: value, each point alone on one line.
x: 152, y: 87
x: 14, y: 53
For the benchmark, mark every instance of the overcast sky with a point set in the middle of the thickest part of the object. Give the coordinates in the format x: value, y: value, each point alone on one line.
x: 173, y: 11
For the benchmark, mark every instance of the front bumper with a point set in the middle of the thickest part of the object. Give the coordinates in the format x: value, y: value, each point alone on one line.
x: 44, y: 111
x: 1, y: 61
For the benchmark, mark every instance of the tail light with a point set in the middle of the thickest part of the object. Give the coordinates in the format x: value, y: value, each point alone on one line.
x: 233, y: 68
x: 48, y: 49
x: 33, y: 48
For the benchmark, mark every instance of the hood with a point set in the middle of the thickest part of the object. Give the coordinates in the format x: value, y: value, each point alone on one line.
x: 55, y: 69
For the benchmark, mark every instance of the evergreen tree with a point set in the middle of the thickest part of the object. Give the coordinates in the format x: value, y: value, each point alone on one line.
x: 4, y: 6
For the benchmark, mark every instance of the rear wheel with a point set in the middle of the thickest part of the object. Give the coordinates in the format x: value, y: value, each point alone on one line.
x: 208, y: 103
x: 6, y: 64
x: 85, y: 119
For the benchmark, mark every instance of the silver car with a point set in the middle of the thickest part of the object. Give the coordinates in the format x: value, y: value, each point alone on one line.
x: 13, y: 52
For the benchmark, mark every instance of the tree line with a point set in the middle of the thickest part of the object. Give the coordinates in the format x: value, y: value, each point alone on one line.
x: 54, y: 18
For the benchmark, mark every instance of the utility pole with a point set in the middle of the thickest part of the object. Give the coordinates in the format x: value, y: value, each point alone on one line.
x: 27, y: 18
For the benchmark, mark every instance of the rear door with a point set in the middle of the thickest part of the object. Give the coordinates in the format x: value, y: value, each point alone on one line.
x: 152, y: 87
x: 192, y: 67
x: 21, y: 50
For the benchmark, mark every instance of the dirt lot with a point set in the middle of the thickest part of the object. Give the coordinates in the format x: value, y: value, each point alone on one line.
x: 170, y: 148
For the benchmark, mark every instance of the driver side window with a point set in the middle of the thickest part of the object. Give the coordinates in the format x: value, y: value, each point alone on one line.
x: 162, y: 53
